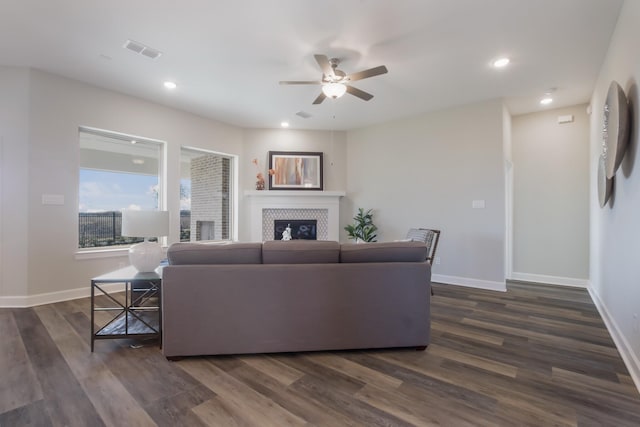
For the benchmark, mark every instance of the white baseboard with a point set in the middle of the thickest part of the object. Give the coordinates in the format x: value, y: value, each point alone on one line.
x: 550, y: 280
x: 469, y: 282
x: 631, y: 360
x: 52, y: 297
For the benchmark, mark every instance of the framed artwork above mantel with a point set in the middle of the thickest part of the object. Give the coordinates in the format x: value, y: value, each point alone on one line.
x: 295, y: 170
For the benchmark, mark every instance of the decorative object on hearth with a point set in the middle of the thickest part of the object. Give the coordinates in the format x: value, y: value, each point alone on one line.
x: 286, y: 234
x: 615, y: 128
x: 295, y: 170
x: 363, y: 228
x: 335, y: 83
x: 145, y: 256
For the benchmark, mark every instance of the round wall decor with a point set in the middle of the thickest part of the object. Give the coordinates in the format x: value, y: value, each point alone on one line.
x: 615, y: 128
x: 605, y: 185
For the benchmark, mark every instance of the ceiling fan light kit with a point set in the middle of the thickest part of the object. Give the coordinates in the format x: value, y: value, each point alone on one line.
x: 335, y: 83
x: 334, y: 90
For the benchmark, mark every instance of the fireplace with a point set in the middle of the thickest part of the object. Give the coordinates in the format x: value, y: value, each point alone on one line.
x: 205, y: 230
x: 268, y: 206
x: 301, y: 229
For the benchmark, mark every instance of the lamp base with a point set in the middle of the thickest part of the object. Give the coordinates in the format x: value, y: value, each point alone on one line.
x: 145, y: 256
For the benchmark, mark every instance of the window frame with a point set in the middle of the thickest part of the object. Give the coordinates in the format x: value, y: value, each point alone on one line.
x: 233, y: 188
x: 121, y: 250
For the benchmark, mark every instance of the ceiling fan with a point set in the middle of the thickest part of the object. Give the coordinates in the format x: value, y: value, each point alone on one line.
x: 336, y: 82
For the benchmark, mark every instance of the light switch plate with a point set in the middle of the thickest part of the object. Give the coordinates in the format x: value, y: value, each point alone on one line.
x: 477, y: 204
x: 52, y: 199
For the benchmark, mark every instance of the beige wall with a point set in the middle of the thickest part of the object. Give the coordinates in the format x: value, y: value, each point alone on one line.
x: 551, y: 197
x: 42, y: 158
x: 258, y: 142
x: 14, y: 180
x: 508, y: 191
x: 425, y: 171
x: 615, y: 229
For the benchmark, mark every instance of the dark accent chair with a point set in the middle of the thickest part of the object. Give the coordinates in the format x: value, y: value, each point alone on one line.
x: 430, y: 237
x: 427, y: 235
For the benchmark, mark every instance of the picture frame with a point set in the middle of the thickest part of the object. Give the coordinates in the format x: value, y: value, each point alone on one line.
x: 295, y: 170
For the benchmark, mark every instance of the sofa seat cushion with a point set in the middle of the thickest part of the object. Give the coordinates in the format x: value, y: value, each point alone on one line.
x: 214, y: 253
x: 300, y: 252
x: 383, y: 252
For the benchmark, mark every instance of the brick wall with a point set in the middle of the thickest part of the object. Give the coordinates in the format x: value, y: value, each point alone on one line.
x: 210, y: 195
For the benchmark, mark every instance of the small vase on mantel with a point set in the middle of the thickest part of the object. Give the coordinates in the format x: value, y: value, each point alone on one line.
x: 260, y: 182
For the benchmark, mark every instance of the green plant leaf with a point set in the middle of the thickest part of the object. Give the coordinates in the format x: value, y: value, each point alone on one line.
x: 363, y: 227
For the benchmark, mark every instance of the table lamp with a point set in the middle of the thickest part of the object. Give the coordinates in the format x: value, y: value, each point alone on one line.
x: 145, y: 256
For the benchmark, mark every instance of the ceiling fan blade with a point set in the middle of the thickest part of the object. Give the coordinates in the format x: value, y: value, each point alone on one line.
x: 320, y: 98
x: 359, y: 93
x: 325, y: 65
x: 371, y: 72
x: 300, y: 82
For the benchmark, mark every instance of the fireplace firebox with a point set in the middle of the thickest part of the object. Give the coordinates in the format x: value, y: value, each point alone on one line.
x: 301, y: 229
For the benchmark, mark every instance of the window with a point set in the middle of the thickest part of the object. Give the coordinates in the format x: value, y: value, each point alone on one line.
x: 205, y: 195
x: 117, y: 172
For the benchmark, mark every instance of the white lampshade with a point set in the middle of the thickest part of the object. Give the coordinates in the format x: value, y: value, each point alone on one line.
x: 145, y: 256
x: 145, y: 223
x: 334, y: 90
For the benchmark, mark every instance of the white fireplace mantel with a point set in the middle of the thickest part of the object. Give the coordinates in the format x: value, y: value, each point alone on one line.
x: 259, y: 200
x: 293, y: 193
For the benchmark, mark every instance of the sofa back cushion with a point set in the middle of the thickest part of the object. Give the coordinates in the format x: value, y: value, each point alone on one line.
x: 205, y: 253
x: 383, y: 252
x: 300, y: 252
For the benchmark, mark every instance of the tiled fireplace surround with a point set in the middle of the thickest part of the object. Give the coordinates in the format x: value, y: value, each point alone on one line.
x: 268, y: 205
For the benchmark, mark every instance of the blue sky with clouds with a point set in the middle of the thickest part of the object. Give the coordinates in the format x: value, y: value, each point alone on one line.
x: 113, y: 191
x: 102, y: 191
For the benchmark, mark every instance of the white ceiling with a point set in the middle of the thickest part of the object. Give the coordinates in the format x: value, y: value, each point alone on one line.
x: 227, y: 57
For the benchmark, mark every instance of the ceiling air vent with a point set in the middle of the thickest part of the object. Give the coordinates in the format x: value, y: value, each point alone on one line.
x: 142, y: 49
x: 303, y: 114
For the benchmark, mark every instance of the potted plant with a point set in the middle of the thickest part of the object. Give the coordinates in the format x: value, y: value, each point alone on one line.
x: 363, y: 229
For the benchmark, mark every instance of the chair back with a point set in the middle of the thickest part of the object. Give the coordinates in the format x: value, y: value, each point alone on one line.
x: 427, y: 235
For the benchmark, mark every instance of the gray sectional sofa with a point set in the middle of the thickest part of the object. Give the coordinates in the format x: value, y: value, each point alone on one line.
x: 285, y: 296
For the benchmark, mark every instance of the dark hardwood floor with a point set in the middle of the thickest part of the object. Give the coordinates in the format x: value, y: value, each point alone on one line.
x: 536, y: 355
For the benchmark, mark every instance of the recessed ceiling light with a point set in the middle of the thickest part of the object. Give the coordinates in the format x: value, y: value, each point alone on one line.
x: 170, y: 85
x: 501, y: 62
x: 546, y: 100
x: 133, y: 141
x: 284, y: 124
x: 138, y: 161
